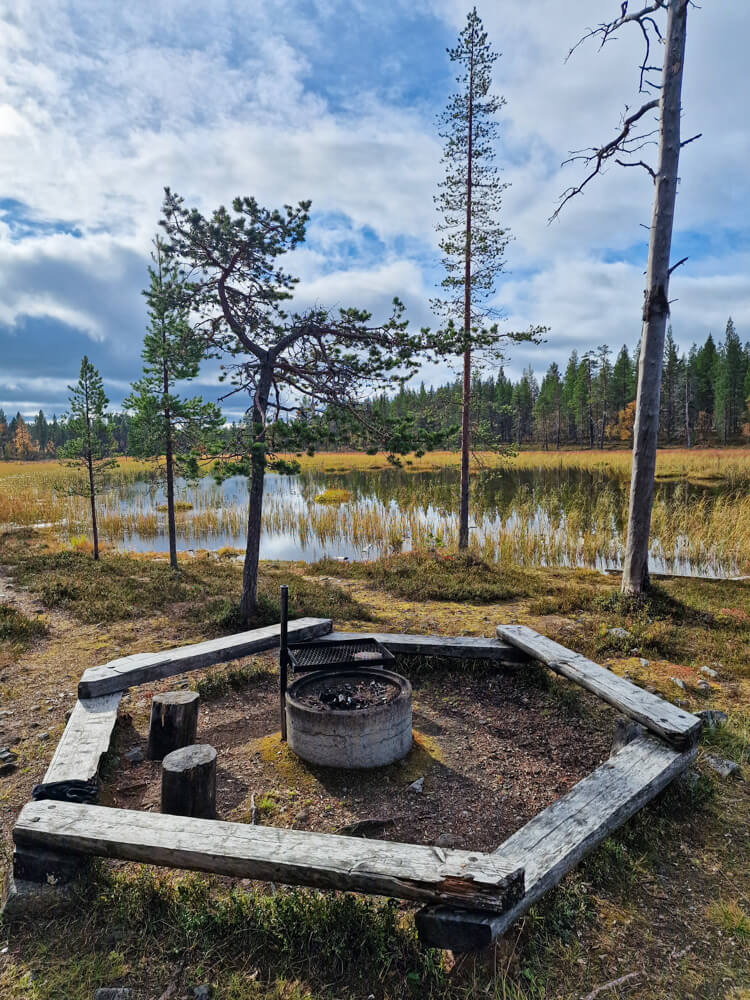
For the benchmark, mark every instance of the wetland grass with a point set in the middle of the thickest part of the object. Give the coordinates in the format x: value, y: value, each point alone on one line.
x: 540, y: 509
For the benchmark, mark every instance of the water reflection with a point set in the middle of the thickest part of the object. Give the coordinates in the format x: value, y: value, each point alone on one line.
x: 555, y: 516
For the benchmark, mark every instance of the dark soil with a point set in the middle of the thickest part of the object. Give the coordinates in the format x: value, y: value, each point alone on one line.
x: 347, y: 694
x: 495, y: 747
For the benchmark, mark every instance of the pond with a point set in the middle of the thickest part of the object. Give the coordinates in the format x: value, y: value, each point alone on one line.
x: 559, y: 517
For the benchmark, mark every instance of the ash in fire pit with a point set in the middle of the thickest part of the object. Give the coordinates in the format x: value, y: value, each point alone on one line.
x: 355, y: 718
x: 349, y: 697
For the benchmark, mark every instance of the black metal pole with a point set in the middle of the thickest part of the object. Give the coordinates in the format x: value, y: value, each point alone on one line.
x: 283, y: 656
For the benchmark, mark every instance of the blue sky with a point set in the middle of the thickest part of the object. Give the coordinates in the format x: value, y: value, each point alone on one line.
x: 101, y: 105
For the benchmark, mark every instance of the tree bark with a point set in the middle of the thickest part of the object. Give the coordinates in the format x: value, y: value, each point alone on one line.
x: 463, y: 512
x: 92, y: 494
x: 90, y: 465
x: 173, y: 724
x: 169, y: 458
x: 248, y: 601
x: 188, y: 782
x: 656, y: 308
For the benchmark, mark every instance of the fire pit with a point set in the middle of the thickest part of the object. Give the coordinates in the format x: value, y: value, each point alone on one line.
x: 349, y: 718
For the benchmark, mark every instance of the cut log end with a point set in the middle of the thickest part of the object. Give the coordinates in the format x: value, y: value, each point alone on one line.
x: 174, y: 722
x: 188, y: 782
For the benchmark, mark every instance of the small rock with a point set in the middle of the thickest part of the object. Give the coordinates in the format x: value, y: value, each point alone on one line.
x: 7, y: 761
x: 618, y: 633
x: 43, y: 737
x: 635, y: 651
x: 114, y: 993
x: 703, y: 686
x: 679, y: 683
x: 708, y: 672
x: 651, y: 689
x: 446, y: 840
x: 679, y: 702
x: 135, y: 755
x: 644, y: 662
x: 203, y: 992
x: 713, y: 718
x: 416, y: 786
x: 724, y: 768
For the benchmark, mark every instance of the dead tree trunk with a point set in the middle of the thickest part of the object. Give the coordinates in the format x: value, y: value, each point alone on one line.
x: 656, y: 307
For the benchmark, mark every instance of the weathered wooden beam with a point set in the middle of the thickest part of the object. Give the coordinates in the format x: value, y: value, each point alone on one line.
x: 292, y: 857
x: 673, y: 724
x: 465, y: 646
x: 552, y: 843
x: 85, y: 740
x: 140, y: 668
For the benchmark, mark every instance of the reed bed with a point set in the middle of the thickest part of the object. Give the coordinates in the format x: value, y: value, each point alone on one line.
x: 729, y: 465
x: 539, y: 520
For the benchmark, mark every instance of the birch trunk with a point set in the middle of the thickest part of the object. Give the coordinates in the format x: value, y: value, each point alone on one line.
x: 655, y: 308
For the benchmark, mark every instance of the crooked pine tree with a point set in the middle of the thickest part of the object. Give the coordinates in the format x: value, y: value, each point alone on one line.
x: 240, y: 293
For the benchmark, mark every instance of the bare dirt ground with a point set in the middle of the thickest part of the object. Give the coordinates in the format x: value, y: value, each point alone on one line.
x: 494, y: 747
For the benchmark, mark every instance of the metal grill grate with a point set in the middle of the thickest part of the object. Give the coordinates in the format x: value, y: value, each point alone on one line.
x: 327, y: 655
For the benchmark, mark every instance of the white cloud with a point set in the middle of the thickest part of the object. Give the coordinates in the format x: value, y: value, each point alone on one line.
x: 101, y: 105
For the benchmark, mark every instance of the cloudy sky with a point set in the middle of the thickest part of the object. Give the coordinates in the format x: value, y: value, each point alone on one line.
x: 104, y: 103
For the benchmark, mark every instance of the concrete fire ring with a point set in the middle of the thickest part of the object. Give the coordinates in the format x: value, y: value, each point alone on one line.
x: 352, y: 738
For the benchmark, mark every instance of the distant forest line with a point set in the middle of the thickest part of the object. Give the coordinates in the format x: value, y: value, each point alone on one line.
x: 705, y: 399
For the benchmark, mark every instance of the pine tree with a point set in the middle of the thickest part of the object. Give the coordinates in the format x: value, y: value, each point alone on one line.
x: 163, y: 422
x: 473, y: 242
x: 90, y: 442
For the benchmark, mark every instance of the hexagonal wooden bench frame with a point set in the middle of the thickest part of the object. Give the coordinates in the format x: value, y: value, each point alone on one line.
x: 470, y: 897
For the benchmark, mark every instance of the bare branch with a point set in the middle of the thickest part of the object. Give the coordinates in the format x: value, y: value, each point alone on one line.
x: 640, y: 163
x: 687, y: 142
x: 679, y: 262
x: 645, y: 21
x: 600, y: 156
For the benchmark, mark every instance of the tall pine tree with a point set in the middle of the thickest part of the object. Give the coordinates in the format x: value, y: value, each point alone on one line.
x: 473, y: 240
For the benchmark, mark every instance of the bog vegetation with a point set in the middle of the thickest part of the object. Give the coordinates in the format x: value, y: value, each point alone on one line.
x: 537, y: 509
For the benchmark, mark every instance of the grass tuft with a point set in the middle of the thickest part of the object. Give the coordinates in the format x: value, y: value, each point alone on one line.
x: 424, y: 575
x: 17, y: 628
